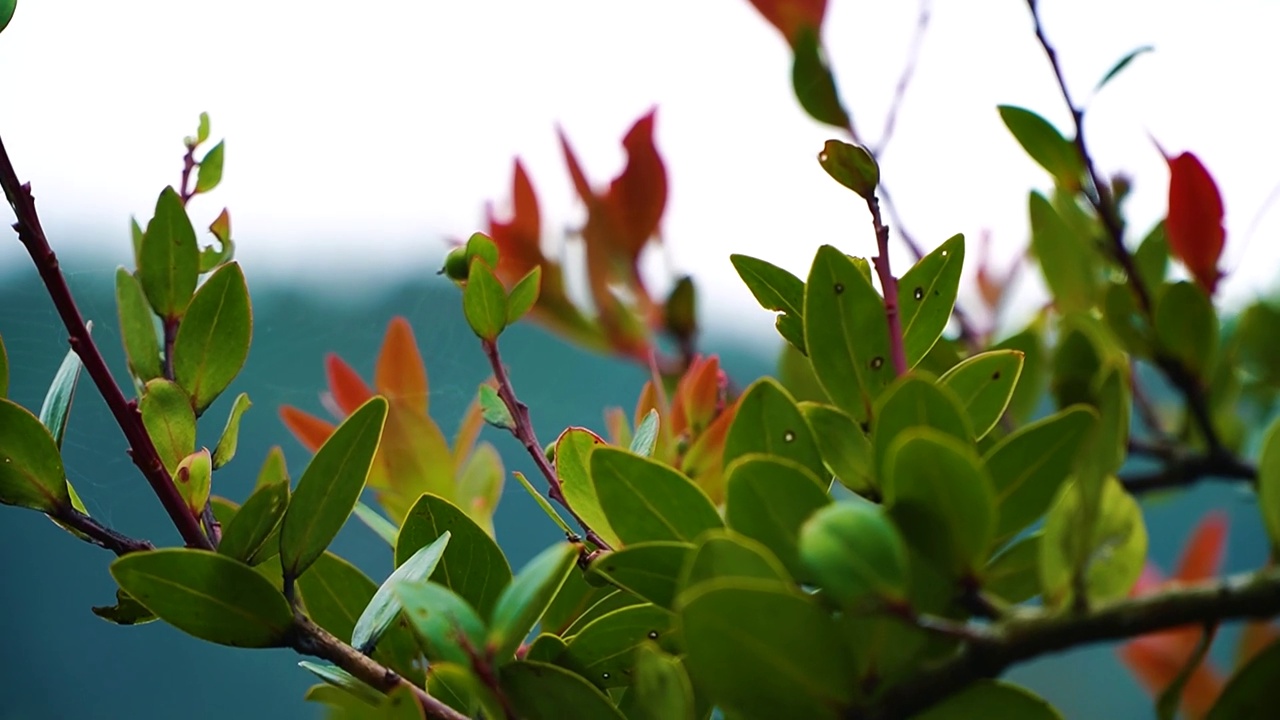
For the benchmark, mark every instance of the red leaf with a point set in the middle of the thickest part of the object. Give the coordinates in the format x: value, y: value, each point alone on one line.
x: 1202, y: 556
x: 792, y: 17
x: 349, y: 390
x: 310, y: 430
x: 400, y: 374
x: 519, y: 239
x: 1194, y: 224
x: 638, y: 196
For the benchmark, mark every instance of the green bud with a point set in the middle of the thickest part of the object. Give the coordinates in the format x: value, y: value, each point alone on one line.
x: 456, y: 267
x: 855, y: 553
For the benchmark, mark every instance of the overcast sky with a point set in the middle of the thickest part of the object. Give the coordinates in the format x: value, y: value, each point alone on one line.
x: 361, y: 135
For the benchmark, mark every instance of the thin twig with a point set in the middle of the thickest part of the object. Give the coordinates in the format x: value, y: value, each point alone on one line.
x: 142, y: 449
x: 996, y: 647
x: 523, y: 431
x: 188, y: 164
x: 99, y: 534
x: 889, y: 284
x: 1181, y: 472
x: 908, y: 71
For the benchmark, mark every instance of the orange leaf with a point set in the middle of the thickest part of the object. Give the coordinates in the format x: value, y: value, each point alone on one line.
x: 638, y: 196
x: 518, y: 239
x: 575, y: 169
x: 1156, y: 664
x: 615, y: 422
x: 349, y: 391
x: 310, y: 430
x: 649, y: 400
x: 1202, y: 556
x: 1194, y: 224
x: 401, y: 374
x: 468, y: 431
x: 792, y: 17
x: 704, y: 463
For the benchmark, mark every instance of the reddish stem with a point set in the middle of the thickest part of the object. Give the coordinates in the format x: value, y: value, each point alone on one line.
x: 889, y: 284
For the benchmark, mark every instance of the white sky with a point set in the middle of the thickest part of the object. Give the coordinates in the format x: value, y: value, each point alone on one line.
x: 361, y: 134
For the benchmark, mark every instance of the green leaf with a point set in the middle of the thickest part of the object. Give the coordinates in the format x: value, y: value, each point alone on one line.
x: 381, y: 526
x: 1014, y: 574
x: 194, y: 480
x: 524, y: 295
x: 126, y: 611
x: 273, y: 469
x: 213, y: 340
x: 1126, y: 320
x: 31, y: 473
x: 844, y: 446
x: 1171, y: 697
x: 210, y: 173
x: 544, y: 504
x: 220, y: 228
x: 546, y: 647
x: 846, y: 333
x: 1269, y: 481
x: 4, y: 371
x: 56, y: 408
x: 479, y: 485
x: 610, y: 601
x: 482, y: 246
x: 650, y: 571
x: 765, y: 652
x: 260, y: 515
x: 458, y: 686
x: 813, y: 83
x: 1045, y: 145
x: 646, y: 500
x: 484, y: 302
x: 646, y: 435
x: 1151, y: 259
x: 385, y: 606
x: 1121, y: 64
x: 335, y: 592
x: 1107, y: 550
x: 852, y: 166
x: 1028, y: 467
x: 472, y: 566
x: 227, y: 442
x: 1068, y: 264
x: 539, y: 691
x: 991, y: 700
x: 604, y: 651
x: 915, y: 402
x: 527, y: 597
x: 1187, y: 327
x: 778, y: 290
x: 576, y: 597
x: 984, y: 383
x: 941, y: 499
x: 171, y: 423
x: 401, y: 704
x: 169, y: 260
x: 768, y: 421
x: 329, y: 487
x: 1030, y: 388
x: 660, y: 688
x: 927, y: 296
x: 207, y: 595
x: 728, y: 555
x: 440, y: 617
x: 768, y: 499
x: 137, y: 329
x: 202, y: 132
x: 854, y: 552
x: 1250, y: 694
x: 340, y: 678
x: 494, y: 410
x: 573, y: 466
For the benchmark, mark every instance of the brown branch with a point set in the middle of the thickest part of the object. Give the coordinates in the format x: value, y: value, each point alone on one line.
x: 143, y: 451
x: 889, y: 284
x: 309, y: 638
x: 523, y: 431
x: 1183, y: 471
x: 99, y: 534
x: 997, y: 647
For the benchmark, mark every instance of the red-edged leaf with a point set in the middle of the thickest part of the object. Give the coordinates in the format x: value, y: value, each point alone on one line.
x: 575, y: 169
x: 697, y: 398
x: 348, y: 389
x: 638, y: 196
x: 792, y: 17
x: 310, y: 430
x: 1194, y: 224
x: 1202, y: 556
x: 401, y: 375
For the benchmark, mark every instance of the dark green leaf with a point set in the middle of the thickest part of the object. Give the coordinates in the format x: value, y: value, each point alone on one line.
x: 813, y: 83
x: 991, y: 700
x: 844, y: 446
x: 1068, y: 264
x: 335, y: 593
x: 1187, y: 327
x: 778, y: 290
x: 650, y: 571
x: 213, y: 340
x: 472, y: 565
x: 494, y: 410
x: 137, y: 329
x: 1269, y: 481
x: 273, y: 469
x: 526, y: 598
x: 768, y: 421
x: 1151, y: 259
x: 260, y: 515
x: 765, y: 652
x: 169, y: 261
x: 1045, y: 145
x: 984, y: 383
x: 768, y: 499
x: 1107, y: 548
x: 126, y: 611
x: 484, y: 302
x: 1126, y: 320
x: 1028, y: 467
x: 729, y: 555
x: 56, y: 408
x: 226, y: 447
x: 330, y: 486
x: 576, y: 596
x: 458, y: 686
x: 604, y: 651
x: 1014, y: 574
x: 539, y: 691
x: 171, y: 423
x: 546, y: 647
x: 340, y: 678
x: 381, y: 526
x: 440, y: 617
x: 207, y: 595
x: 852, y: 166
x: 210, y: 173
x: 854, y: 552
x: 31, y: 473
x: 660, y: 688
x: 573, y: 466
x: 1250, y: 695
x: 927, y: 295
x: 915, y: 402
x: 544, y: 504
x: 646, y: 435
x: 524, y: 295
x: 846, y: 333
x: 385, y: 606
x: 646, y: 500
x: 1121, y: 64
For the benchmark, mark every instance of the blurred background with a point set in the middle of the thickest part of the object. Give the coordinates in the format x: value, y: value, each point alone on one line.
x: 362, y: 137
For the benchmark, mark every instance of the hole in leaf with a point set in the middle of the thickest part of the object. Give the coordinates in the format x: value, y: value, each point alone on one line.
x: 788, y: 436
x: 653, y: 634
x: 877, y: 362
x: 919, y: 293
x: 604, y: 675
x: 839, y: 288
x: 995, y: 375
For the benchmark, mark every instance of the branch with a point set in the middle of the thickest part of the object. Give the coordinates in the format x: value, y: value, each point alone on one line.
x: 142, y: 450
x: 1184, y: 471
x: 904, y: 80
x: 523, y: 431
x: 309, y: 638
x: 889, y: 284
x: 99, y: 534
x: 1252, y: 595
